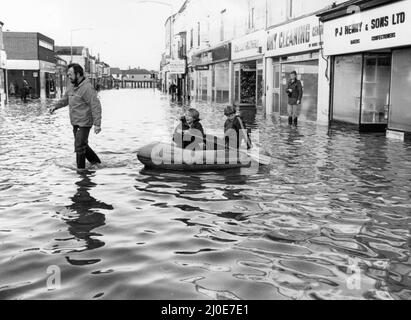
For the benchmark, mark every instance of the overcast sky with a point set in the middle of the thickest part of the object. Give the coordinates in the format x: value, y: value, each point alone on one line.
x: 125, y: 33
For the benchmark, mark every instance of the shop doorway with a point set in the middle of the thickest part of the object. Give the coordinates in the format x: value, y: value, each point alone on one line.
x: 361, y: 93
x: 249, y: 83
x: 277, y: 88
x: 306, y: 67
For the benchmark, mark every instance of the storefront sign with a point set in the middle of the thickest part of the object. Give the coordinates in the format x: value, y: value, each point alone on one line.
x: 384, y: 27
x: 249, y: 46
x: 47, y: 67
x: 177, y: 67
x: 204, y: 58
x: 298, y: 36
x: 202, y: 68
x: 220, y: 54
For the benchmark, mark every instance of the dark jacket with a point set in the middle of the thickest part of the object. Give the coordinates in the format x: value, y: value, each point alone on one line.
x: 236, y: 126
x: 184, y: 130
x: 297, y: 92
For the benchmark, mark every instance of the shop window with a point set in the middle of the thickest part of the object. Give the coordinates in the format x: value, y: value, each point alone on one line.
x: 376, y: 89
x: 400, y: 111
x: 248, y: 83
x: 362, y: 88
x: 221, y: 83
x: 347, y: 88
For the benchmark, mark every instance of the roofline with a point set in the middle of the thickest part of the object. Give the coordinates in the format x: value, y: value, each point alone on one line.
x: 342, y: 10
x: 184, y: 6
x: 30, y: 32
x: 169, y: 18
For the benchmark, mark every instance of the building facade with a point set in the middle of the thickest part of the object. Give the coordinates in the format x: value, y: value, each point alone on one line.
x: 3, y: 70
x: 31, y: 56
x: 241, y: 52
x: 369, y: 45
x: 75, y: 54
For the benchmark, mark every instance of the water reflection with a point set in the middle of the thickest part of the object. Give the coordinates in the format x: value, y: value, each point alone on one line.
x: 88, y: 216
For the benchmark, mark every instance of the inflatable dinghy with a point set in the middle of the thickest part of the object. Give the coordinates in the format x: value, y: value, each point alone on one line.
x: 167, y: 156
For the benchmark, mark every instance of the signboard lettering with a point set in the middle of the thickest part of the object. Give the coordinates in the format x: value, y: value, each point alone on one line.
x: 298, y: 36
x: 383, y: 27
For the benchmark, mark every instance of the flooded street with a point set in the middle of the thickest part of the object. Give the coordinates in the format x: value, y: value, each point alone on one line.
x: 328, y: 219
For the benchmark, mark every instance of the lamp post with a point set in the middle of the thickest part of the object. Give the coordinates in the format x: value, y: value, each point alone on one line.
x: 71, y: 40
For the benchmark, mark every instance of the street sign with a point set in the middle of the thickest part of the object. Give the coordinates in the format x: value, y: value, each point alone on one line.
x: 177, y: 67
x: 202, y: 68
x: 35, y: 74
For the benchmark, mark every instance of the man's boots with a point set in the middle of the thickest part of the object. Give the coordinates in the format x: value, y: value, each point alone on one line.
x: 81, y: 161
x: 290, y: 120
x: 296, y: 121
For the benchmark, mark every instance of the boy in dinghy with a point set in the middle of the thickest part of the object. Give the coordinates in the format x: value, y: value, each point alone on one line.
x: 235, y: 130
x: 190, y: 132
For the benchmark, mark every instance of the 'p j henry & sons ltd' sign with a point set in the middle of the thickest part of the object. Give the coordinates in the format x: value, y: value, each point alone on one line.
x: 384, y: 27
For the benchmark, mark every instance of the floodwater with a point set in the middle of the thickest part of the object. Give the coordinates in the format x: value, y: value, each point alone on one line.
x: 328, y: 219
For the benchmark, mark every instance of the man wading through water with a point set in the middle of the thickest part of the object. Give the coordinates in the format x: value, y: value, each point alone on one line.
x: 85, y: 112
x: 295, y: 95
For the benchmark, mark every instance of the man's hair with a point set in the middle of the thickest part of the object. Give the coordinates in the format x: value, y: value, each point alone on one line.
x: 194, y: 113
x: 77, y: 69
x: 294, y: 73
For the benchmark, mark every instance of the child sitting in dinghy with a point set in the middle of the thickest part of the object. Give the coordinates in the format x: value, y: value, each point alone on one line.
x: 190, y: 132
x: 235, y: 130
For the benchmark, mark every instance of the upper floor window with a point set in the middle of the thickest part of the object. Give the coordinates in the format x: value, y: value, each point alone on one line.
x: 251, y: 18
x: 191, y: 38
x: 222, y: 25
x: 46, y: 45
x: 198, y: 34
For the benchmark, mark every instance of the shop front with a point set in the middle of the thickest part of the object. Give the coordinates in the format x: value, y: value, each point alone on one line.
x: 211, y: 79
x: 371, y: 66
x: 248, y: 76
x: 176, y: 71
x: 61, y: 77
x: 294, y: 47
x: 47, y: 80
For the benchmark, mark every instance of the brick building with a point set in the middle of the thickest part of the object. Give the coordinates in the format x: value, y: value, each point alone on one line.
x: 30, y: 56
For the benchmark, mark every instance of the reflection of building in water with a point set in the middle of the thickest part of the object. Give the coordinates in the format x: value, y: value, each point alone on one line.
x: 89, y: 217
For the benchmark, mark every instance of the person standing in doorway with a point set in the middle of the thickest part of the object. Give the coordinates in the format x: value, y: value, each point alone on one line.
x: 85, y: 112
x: 173, y: 91
x: 295, y: 95
x: 25, y: 91
x: 12, y: 89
